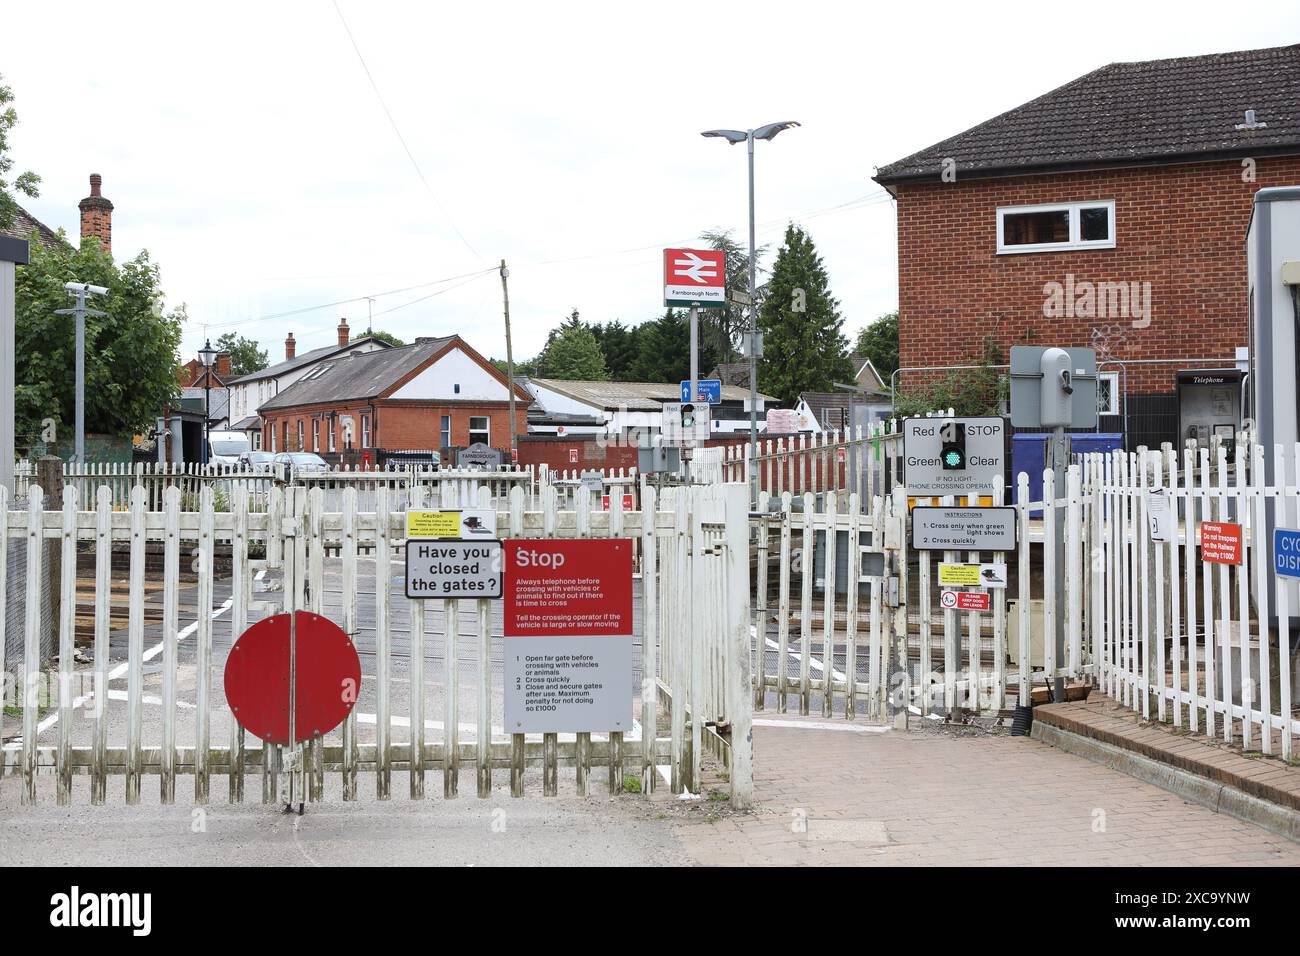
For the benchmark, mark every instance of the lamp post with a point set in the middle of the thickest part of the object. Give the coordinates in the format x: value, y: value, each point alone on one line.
x: 207, y: 355
x: 734, y: 136
x: 80, y: 310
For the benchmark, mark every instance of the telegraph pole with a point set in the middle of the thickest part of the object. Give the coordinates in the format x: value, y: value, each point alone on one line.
x: 510, y: 363
x: 81, y: 290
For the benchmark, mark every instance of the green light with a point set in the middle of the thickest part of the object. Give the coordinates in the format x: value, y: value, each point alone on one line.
x: 952, y: 459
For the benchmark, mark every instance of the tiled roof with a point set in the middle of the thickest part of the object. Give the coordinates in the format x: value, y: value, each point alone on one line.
x: 360, y: 376
x: 315, y: 355
x: 1147, y: 112
x: 23, y: 224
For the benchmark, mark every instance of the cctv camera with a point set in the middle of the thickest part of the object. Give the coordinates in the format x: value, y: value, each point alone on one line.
x: 85, y: 287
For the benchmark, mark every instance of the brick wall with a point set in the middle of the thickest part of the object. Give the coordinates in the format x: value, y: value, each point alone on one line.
x: 394, y: 425
x: 1182, y: 228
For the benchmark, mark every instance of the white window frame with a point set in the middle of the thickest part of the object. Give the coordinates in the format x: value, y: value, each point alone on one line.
x: 365, y: 431
x: 1074, y: 241
x: 1113, y: 378
x: 302, y: 441
x: 330, y: 428
x: 315, y: 434
x: 444, y: 431
x: 487, y: 428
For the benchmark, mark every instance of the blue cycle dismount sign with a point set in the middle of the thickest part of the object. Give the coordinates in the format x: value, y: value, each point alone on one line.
x: 1286, y: 552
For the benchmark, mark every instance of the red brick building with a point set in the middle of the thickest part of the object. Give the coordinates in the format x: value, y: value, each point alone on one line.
x: 1109, y: 213
x: 437, y: 393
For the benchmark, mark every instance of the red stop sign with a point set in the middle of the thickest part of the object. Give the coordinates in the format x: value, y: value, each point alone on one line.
x: 257, y: 677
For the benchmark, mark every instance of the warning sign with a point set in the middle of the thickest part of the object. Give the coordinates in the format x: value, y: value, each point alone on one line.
x: 568, y: 635
x: 466, y: 523
x: 453, y: 569
x: 1221, y: 542
x: 961, y: 575
x: 964, y: 600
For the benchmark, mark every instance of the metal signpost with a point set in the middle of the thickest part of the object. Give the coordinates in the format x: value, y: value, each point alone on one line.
x: 568, y: 635
x: 1055, y: 388
x: 81, y: 290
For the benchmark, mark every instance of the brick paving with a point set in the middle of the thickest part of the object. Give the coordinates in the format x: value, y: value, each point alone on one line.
x: 1100, y: 718
x: 948, y: 796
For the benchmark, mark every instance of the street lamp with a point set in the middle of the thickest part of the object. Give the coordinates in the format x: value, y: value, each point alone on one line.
x: 207, y: 355
x: 734, y: 136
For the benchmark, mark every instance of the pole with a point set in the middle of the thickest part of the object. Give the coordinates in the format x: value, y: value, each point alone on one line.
x: 79, y: 454
x: 510, y: 363
x: 207, y: 412
x: 753, y: 341
x: 695, y: 352
x: 1058, y: 469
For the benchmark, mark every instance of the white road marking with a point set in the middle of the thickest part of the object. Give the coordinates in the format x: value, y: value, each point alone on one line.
x: 820, y: 725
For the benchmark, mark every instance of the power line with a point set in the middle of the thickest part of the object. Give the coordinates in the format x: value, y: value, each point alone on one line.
x: 400, y: 138
x: 330, y: 305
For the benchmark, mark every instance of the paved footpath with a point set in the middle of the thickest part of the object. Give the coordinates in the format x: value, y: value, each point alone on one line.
x: 962, y: 797
x: 825, y: 797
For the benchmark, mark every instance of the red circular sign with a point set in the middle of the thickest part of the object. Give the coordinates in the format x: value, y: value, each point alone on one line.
x: 257, y: 677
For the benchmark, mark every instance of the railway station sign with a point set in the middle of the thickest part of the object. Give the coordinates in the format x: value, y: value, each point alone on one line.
x: 568, y: 635
x: 695, y: 277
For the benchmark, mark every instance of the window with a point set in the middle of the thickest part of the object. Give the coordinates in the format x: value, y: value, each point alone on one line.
x: 1080, y: 225
x: 445, y: 437
x: 315, y: 434
x: 331, y: 434
x: 300, y: 444
x: 365, y: 431
x: 480, y: 430
x: 1108, y: 393
x: 284, y: 435
x: 257, y: 441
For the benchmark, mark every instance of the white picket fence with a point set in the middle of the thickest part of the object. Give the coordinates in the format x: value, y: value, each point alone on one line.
x: 692, y: 633
x: 1204, y: 646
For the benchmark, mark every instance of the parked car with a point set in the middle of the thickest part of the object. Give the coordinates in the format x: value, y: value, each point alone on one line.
x: 227, y: 447
x: 295, y: 464
x: 258, y: 462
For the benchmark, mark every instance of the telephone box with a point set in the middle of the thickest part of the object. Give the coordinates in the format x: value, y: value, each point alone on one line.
x: 1209, y: 404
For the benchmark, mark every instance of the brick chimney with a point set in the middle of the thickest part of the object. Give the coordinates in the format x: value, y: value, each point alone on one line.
x: 223, y: 366
x: 343, y: 332
x: 97, y: 215
x: 290, y: 347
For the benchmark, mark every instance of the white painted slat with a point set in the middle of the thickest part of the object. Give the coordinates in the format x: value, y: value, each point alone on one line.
x: 1207, y: 582
x: 203, y: 656
x: 783, y: 607
x: 240, y: 587
x: 31, y: 674
x: 135, y: 649
x: 171, y: 628
x: 828, y: 607
x: 103, y: 598
x: 348, y: 554
x: 67, y: 625
x: 1260, y: 551
x: 483, y: 741
x: 650, y: 642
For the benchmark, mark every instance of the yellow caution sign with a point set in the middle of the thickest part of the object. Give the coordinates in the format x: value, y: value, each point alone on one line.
x: 433, y: 524
x: 959, y: 575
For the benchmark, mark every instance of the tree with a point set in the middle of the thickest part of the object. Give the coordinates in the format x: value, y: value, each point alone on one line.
x: 619, y: 345
x: 573, y: 353
x: 245, y: 356
x: 130, y: 352
x: 388, y: 337
x: 879, y: 342
x: 804, y: 348
x: 25, y: 183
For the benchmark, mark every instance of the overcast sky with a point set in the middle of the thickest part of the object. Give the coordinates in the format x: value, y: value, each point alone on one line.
x: 244, y: 146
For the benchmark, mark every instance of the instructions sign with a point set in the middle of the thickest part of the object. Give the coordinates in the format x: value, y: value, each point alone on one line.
x: 453, y: 569
x: 953, y: 456
x: 963, y: 529
x: 964, y: 600
x: 1220, y: 542
x: 466, y: 523
x: 568, y: 635
x: 1160, y: 517
x: 1286, y: 553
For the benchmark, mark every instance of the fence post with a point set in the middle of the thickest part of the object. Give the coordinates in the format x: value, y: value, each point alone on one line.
x: 49, y: 475
x: 740, y: 700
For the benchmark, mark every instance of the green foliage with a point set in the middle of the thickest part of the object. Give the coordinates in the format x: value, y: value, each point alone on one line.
x: 879, y: 343
x: 969, y: 392
x: 572, y: 352
x: 388, y: 337
x: 721, y: 329
x: 619, y: 344
x: 525, y: 367
x: 245, y: 356
x: 25, y: 183
x: 804, y: 348
x: 130, y: 352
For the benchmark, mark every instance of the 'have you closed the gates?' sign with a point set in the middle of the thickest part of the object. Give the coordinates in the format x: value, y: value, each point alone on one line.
x: 568, y: 635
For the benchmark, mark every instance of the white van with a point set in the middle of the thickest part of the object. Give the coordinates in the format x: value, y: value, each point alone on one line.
x: 225, y: 447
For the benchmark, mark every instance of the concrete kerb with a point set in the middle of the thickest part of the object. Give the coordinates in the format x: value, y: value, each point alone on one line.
x: 1218, y: 797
